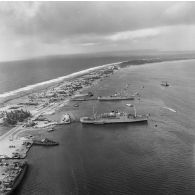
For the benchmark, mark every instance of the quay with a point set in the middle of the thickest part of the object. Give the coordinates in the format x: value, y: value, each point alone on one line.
x: 11, y: 175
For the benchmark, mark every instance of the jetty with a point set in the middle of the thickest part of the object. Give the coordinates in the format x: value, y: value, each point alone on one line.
x: 11, y: 175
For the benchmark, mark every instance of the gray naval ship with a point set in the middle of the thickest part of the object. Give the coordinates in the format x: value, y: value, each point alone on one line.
x: 114, y: 117
x: 115, y: 97
x: 118, y: 96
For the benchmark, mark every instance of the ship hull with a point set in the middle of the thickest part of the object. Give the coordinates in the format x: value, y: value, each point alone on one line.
x: 165, y: 85
x: 112, y: 121
x: 115, y: 98
x: 38, y: 143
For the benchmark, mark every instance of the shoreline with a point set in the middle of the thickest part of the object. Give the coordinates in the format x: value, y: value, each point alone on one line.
x: 56, y: 83
x: 14, y: 146
x: 49, y: 100
x: 20, y: 92
x: 17, y: 93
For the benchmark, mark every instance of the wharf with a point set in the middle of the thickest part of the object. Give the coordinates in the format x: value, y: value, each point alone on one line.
x: 11, y: 174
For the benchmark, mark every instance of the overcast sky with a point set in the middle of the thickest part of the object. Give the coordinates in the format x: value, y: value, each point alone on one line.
x: 29, y: 29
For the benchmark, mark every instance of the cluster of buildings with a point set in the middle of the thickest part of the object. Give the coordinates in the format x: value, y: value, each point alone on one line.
x: 54, y: 96
x: 37, y: 101
x: 12, y: 168
x: 67, y: 88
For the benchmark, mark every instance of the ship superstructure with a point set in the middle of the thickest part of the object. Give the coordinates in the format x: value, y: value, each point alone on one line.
x: 115, y: 117
x: 115, y: 97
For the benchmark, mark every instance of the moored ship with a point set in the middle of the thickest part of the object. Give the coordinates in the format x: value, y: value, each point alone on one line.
x: 116, y: 97
x: 45, y: 142
x: 114, y: 117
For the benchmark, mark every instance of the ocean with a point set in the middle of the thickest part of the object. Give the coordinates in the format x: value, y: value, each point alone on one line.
x: 124, y: 159
x: 19, y: 74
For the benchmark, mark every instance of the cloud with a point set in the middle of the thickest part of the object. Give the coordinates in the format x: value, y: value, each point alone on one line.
x: 180, y: 13
x: 61, y: 19
x: 32, y: 28
x: 51, y: 21
x: 88, y: 44
x: 136, y: 34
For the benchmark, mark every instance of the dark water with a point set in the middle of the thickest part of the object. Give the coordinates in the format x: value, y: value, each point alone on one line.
x: 140, y: 159
x: 18, y: 74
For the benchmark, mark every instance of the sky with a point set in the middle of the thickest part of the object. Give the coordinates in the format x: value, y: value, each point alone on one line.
x: 30, y: 29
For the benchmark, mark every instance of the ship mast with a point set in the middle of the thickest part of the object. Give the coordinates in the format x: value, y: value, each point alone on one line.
x: 135, y: 114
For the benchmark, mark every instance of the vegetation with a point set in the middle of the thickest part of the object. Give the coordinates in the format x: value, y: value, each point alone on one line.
x: 11, y: 118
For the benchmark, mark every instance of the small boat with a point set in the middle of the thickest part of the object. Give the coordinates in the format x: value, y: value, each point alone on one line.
x: 50, y: 130
x: 165, y: 84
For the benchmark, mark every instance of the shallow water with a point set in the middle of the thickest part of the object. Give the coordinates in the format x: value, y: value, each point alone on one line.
x: 153, y: 158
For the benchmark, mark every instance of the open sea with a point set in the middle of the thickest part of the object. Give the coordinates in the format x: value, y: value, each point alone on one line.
x: 124, y: 159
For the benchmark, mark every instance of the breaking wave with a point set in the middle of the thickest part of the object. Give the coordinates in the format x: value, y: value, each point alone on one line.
x: 53, y: 81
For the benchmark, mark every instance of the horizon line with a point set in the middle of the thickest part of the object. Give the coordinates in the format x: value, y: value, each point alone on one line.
x: 105, y: 53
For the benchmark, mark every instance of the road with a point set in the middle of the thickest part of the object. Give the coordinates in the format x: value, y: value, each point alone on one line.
x: 16, y: 129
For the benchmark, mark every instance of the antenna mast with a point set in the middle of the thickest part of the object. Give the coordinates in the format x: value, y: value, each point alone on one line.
x: 135, y: 114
